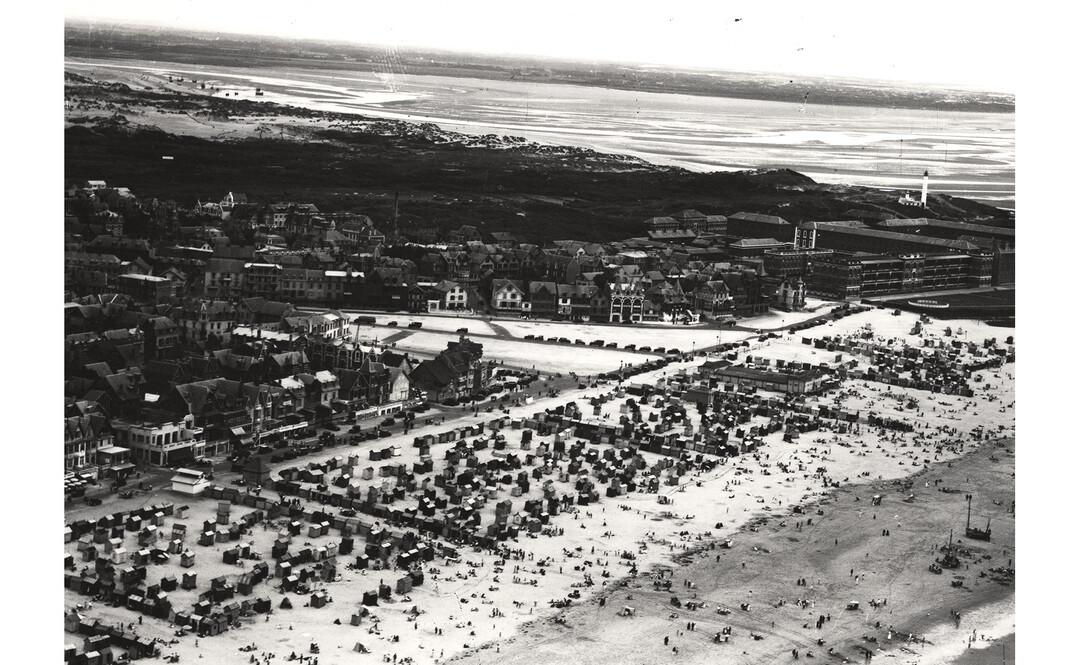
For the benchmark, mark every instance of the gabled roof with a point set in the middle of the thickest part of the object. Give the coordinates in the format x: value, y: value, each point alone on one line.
x: 127, y: 385
x: 756, y: 242
x: 102, y: 370
x: 289, y: 359
x: 714, y: 287
x: 118, y: 335
x: 661, y: 221
x: 132, y: 319
x: 225, y: 265
x: 445, y: 286
x: 161, y: 324
x: 432, y: 374
x: 861, y: 230
x: 130, y: 353
x: 270, y: 308
x: 228, y: 359
x: 214, y: 309
x: 688, y: 214
x: 162, y: 372
x: 755, y: 217
x: 501, y: 284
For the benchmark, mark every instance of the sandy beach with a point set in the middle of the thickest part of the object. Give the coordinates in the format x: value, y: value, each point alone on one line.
x: 497, y: 607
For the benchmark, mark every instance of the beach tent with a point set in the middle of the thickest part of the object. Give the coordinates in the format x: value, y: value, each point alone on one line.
x: 360, y: 647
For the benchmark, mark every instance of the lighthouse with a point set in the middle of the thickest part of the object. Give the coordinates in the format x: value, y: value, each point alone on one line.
x: 925, y: 186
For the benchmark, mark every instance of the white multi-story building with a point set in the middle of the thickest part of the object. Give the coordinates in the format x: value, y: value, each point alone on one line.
x: 507, y: 296
x: 160, y: 443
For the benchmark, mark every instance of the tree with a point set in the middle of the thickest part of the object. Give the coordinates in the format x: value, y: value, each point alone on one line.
x: 213, y: 342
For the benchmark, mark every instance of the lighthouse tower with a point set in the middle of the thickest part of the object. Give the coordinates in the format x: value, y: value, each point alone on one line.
x: 925, y: 186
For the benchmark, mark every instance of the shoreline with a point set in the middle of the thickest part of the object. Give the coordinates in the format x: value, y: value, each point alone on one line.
x: 939, y: 646
x: 612, y: 146
x: 993, y: 623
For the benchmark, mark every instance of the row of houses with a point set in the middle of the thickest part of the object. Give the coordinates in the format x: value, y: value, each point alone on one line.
x: 215, y: 416
x: 124, y: 405
x: 632, y: 296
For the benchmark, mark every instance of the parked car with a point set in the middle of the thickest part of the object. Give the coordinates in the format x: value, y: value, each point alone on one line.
x: 596, y: 342
x: 530, y: 337
x: 579, y: 342
x: 391, y: 323
x: 416, y: 324
x: 355, y: 429
x: 645, y: 348
x: 611, y: 345
x: 387, y: 422
x: 383, y: 434
x: 463, y: 331
x: 630, y: 347
x: 563, y: 340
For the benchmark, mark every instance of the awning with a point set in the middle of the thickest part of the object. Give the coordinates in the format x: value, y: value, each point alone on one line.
x: 181, y: 454
x: 338, y: 406
x: 122, y: 467
x: 238, y: 431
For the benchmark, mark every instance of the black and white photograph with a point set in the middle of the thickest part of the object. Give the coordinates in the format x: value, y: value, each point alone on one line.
x: 372, y: 311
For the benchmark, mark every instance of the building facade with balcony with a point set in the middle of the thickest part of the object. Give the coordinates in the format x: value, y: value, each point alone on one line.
x: 161, y: 442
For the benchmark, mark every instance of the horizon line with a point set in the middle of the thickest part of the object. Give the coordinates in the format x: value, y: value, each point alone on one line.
x: 143, y: 25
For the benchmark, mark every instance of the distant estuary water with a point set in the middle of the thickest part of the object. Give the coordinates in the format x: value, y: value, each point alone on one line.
x: 967, y: 154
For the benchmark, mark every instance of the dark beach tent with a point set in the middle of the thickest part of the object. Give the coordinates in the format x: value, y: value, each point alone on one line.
x: 286, y: 604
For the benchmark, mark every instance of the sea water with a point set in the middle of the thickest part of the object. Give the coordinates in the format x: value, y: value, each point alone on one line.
x: 967, y: 154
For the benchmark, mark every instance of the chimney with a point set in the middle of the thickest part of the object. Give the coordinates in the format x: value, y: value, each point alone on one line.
x: 925, y: 186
